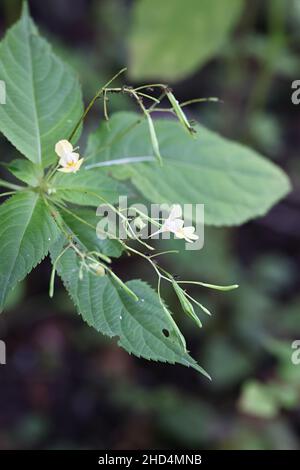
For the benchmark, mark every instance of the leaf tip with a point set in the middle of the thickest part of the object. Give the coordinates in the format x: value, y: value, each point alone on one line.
x: 203, y: 372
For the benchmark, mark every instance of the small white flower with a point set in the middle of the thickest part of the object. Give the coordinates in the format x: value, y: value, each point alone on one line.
x: 69, y: 160
x: 97, y: 268
x: 139, y: 223
x: 175, y: 224
x: 187, y: 233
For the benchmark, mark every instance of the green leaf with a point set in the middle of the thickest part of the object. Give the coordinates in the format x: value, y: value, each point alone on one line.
x: 25, y: 171
x: 86, y: 233
x: 43, y: 96
x: 26, y: 232
x: 233, y: 182
x: 87, y: 187
x: 142, y: 326
x: 171, y: 39
x: 15, y: 296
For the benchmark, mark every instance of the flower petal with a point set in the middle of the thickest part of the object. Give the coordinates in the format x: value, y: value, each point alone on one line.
x: 66, y: 169
x: 189, y: 233
x: 179, y: 234
x: 78, y: 164
x: 194, y: 236
x: 161, y: 230
x: 72, y: 168
x: 189, y: 230
x: 63, y: 147
x: 174, y: 225
x: 74, y: 156
x: 176, y: 212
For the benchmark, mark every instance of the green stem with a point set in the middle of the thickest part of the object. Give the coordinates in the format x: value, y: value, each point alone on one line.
x: 6, y: 184
x: 52, y: 277
x: 9, y: 193
x: 211, y: 286
x: 92, y: 102
x: 212, y: 99
x: 75, y: 216
x: 123, y: 132
x: 152, y: 85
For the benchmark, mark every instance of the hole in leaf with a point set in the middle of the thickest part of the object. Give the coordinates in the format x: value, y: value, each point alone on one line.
x: 166, y: 333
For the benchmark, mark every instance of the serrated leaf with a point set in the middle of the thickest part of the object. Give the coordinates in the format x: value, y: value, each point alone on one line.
x: 26, y: 232
x: 25, y: 171
x: 233, y: 182
x: 43, y: 96
x: 87, y: 233
x: 142, y: 326
x: 171, y: 39
x: 87, y: 187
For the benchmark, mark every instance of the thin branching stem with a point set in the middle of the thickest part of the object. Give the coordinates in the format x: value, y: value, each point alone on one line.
x: 7, y: 184
x: 92, y: 102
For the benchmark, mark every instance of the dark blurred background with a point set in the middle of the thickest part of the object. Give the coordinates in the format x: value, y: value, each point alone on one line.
x: 66, y: 386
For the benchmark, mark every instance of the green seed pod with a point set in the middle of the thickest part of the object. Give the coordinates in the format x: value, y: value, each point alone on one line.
x: 179, y: 113
x: 123, y: 285
x: 186, y: 305
x: 153, y: 137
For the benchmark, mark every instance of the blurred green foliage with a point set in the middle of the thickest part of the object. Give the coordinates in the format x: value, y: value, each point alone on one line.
x: 170, y: 40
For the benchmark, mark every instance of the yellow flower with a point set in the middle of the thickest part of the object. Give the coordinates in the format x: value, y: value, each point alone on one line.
x: 68, y: 159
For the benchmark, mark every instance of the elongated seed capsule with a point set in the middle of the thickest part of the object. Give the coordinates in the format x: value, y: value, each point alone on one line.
x: 211, y: 286
x: 186, y: 305
x: 179, y: 113
x: 123, y: 285
x: 154, y: 140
